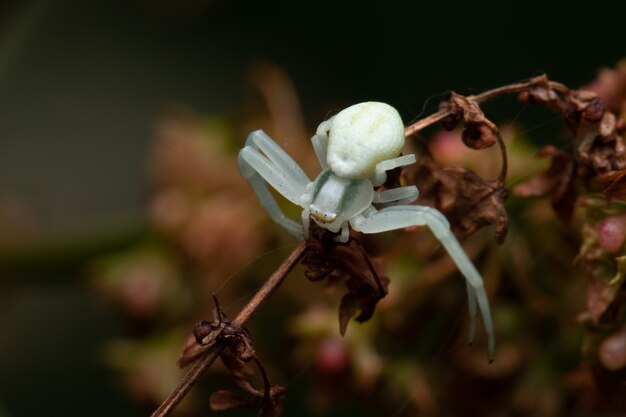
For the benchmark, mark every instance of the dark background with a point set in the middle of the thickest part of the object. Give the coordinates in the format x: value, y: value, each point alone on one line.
x: 82, y: 81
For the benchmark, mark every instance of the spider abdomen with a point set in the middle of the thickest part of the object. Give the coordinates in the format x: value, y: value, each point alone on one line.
x: 362, y: 136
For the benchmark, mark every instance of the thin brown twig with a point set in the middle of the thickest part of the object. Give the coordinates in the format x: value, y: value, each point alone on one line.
x: 502, y: 146
x: 206, y: 360
x: 486, y: 96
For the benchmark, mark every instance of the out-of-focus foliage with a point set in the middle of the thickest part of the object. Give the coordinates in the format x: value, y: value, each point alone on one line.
x: 556, y: 287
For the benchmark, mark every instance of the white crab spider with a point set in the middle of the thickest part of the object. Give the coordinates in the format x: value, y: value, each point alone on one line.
x: 355, y: 149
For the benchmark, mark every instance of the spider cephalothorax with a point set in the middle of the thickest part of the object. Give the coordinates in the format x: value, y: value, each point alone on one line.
x: 355, y: 148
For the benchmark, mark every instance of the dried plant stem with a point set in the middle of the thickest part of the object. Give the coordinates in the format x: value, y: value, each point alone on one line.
x: 206, y: 360
x: 502, y: 147
x: 486, y: 96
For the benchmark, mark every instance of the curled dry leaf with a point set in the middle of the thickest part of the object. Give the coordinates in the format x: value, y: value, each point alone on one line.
x: 614, y: 185
x: 361, y: 299
x: 478, y: 136
x: 477, y: 133
x: 348, y: 263
x: 190, y: 352
x: 542, y: 93
x: 468, y: 201
x: 559, y: 181
x: 462, y: 109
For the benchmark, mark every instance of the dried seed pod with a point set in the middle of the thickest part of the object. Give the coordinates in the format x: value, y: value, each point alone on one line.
x: 607, y: 126
x: 478, y: 136
x: 594, y: 111
x: 202, y: 330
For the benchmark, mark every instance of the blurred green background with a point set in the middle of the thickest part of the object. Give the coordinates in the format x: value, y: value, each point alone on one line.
x: 83, y: 82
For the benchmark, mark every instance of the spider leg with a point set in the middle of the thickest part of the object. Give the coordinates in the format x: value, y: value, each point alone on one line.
x: 276, y: 168
x: 380, y: 172
x: 320, y: 142
x: 277, y: 155
x: 398, y: 217
x: 306, y: 222
x: 400, y: 195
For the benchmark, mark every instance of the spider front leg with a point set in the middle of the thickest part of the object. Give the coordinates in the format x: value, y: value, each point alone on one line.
x: 263, y: 162
x: 320, y: 142
x: 380, y: 171
x: 398, y: 217
x: 400, y: 195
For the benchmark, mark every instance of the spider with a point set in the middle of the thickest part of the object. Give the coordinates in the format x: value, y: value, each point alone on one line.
x: 355, y: 148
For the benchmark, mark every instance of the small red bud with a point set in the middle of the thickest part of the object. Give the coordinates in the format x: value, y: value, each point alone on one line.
x: 612, y: 351
x: 612, y: 233
x: 332, y: 356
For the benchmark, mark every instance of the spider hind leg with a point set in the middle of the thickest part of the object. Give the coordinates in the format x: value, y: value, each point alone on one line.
x: 398, y: 217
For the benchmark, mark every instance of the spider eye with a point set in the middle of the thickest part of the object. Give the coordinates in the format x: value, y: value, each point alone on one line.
x: 322, y: 216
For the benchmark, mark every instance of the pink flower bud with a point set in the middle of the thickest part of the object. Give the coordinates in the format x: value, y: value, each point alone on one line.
x: 612, y: 233
x: 612, y: 351
x: 332, y: 356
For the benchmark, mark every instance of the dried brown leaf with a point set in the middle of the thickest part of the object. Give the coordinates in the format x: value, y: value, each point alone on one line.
x: 545, y: 95
x: 350, y: 264
x: 347, y: 309
x: 478, y: 203
x: 558, y: 180
x: 361, y: 299
x: 190, y: 352
x: 240, y: 368
x: 614, y: 184
x: 468, y: 201
x: 594, y: 109
x: 477, y: 133
x: 462, y: 108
